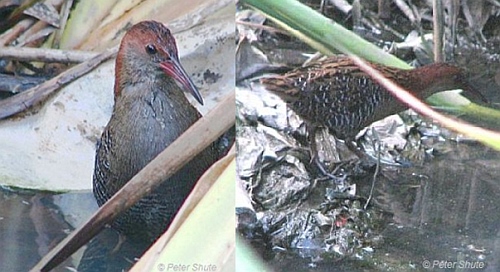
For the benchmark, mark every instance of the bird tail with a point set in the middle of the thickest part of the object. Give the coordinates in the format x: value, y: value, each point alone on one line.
x: 282, y: 87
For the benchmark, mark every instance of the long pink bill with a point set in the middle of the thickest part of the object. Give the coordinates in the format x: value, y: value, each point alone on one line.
x: 174, y: 69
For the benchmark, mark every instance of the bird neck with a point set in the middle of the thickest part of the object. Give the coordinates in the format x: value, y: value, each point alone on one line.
x: 121, y: 73
x: 131, y: 70
x: 428, y: 80
x: 151, y: 87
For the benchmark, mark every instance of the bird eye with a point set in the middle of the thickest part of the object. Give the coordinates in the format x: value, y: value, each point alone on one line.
x: 150, y: 49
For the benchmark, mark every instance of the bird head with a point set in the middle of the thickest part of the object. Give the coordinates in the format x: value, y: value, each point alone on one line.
x: 148, y: 49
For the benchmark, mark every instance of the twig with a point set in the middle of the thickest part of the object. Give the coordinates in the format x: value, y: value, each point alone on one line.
x: 27, y: 99
x: 16, y: 84
x: 45, y: 54
x: 377, y: 168
x: 194, y: 140
x: 408, y: 11
x: 33, y: 36
x: 262, y: 27
x: 65, y: 10
x: 342, y: 5
x: 438, y: 22
x: 454, y: 6
x: 17, y: 13
x: 11, y: 34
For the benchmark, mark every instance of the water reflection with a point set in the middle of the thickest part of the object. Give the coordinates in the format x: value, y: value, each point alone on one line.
x: 442, y: 215
x: 109, y: 251
x: 32, y: 223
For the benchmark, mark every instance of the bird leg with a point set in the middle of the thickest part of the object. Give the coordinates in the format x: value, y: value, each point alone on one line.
x: 311, y: 136
x: 353, y: 148
x: 365, y: 161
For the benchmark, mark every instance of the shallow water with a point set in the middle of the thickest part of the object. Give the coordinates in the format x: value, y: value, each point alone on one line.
x: 441, y: 216
x: 32, y: 223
